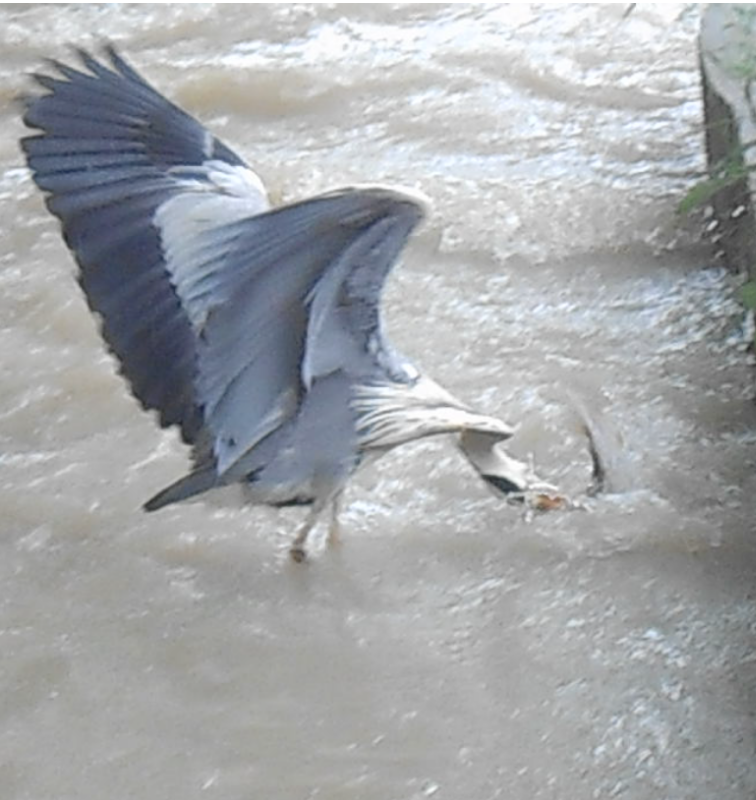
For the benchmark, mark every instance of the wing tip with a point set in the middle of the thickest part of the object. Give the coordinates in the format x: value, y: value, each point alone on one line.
x: 100, y: 61
x: 397, y: 194
x: 61, y: 73
x: 196, y: 482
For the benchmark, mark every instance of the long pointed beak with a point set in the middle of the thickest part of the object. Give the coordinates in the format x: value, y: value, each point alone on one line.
x: 505, y: 475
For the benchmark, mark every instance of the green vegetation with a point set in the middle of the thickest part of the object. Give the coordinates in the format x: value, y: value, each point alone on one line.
x: 726, y: 173
x: 748, y: 295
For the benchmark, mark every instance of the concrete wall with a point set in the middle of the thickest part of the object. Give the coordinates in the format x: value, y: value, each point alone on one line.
x: 728, y: 70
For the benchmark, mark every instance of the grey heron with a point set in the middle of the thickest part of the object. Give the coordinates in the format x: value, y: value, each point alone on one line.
x: 254, y: 330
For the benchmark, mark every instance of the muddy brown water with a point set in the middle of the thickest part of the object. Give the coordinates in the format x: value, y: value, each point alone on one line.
x: 449, y: 648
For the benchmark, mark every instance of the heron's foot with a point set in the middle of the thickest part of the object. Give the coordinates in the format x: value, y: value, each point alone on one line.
x: 297, y: 553
x: 298, y: 549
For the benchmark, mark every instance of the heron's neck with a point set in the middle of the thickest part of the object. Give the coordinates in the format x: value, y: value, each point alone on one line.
x: 390, y: 414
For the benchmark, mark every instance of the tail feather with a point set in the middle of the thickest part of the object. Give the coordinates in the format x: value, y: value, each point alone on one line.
x: 190, y: 485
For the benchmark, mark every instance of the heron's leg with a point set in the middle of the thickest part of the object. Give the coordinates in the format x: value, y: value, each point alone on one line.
x: 334, y: 528
x: 297, y: 550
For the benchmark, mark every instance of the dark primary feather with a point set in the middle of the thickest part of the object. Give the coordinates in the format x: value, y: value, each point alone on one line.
x: 107, y: 140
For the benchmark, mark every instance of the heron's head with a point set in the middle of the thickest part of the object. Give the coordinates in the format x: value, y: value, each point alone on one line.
x: 504, y: 475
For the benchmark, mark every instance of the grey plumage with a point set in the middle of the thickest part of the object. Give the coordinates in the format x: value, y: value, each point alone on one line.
x: 255, y: 331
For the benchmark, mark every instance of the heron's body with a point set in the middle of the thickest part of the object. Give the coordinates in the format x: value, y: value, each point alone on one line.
x: 256, y: 331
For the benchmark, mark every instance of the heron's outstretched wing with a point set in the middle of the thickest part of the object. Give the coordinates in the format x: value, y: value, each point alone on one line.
x: 113, y: 153
x: 266, y: 293
x: 221, y: 315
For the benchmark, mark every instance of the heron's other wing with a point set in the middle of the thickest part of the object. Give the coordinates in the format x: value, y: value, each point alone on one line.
x: 130, y: 175
x: 262, y: 290
x: 344, y: 322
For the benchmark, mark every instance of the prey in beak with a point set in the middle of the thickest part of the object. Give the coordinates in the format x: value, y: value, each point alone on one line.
x: 508, y: 477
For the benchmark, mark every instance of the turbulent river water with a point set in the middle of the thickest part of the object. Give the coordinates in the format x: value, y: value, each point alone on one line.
x: 450, y: 647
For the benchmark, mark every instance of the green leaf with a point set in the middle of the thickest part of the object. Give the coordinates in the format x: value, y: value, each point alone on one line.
x: 748, y: 294
x: 727, y: 172
x: 702, y: 192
